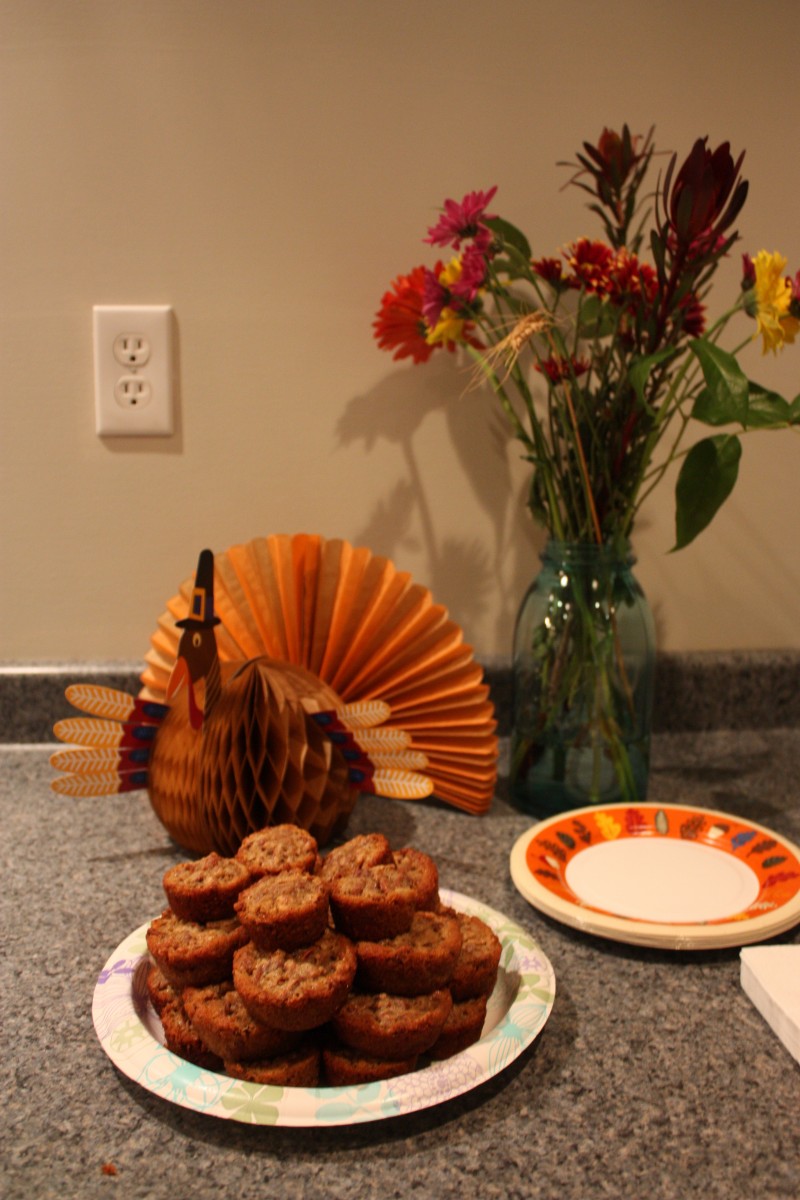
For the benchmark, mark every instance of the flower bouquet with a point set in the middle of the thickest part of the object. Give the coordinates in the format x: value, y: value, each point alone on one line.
x: 603, y: 356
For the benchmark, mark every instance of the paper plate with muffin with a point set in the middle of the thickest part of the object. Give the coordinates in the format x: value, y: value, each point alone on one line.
x: 283, y: 988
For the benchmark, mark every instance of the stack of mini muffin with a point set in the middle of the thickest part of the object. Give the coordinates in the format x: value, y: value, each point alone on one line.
x: 280, y: 967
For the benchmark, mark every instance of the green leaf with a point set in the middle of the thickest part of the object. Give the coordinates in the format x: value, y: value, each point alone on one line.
x: 708, y: 409
x: 766, y: 409
x: 597, y: 318
x: 705, y: 481
x: 512, y: 269
x: 657, y: 250
x: 794, y: 411
x: 510, y: 235
x: 724, y: 399
x: 639, y: 373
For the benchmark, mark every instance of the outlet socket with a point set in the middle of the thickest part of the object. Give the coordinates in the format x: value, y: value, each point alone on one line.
x: 133, y: 370
x: 132, y: 392
x: 131, y: 349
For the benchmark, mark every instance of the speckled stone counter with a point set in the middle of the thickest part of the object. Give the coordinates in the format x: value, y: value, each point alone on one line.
x: 654, y: 1077
x: 743, y: 689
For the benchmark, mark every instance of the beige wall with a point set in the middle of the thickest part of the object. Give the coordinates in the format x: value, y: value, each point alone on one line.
x: 267, y: 168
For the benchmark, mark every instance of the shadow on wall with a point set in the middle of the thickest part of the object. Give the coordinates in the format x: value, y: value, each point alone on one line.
x: 463, y: 571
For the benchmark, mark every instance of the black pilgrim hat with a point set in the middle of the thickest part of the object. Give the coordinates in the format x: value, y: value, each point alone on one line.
x: 201, y: 609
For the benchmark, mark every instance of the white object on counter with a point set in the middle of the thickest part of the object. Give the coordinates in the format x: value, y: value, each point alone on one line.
x: 770, y: 976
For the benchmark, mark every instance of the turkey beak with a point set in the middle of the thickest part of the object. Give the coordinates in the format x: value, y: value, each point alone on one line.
x: 181, y: 674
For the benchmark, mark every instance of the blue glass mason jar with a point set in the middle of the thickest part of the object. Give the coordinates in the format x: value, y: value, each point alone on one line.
x: 583, y: 674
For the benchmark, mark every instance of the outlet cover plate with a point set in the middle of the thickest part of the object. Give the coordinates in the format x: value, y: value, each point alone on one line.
x: 133, y: 370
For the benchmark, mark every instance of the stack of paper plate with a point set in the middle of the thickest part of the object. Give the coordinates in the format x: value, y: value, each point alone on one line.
x: 671, y: 876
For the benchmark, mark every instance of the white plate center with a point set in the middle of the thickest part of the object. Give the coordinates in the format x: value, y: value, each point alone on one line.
x: 662, y: 879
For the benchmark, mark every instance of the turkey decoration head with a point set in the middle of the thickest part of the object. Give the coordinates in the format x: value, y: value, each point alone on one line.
x: 197, y: 662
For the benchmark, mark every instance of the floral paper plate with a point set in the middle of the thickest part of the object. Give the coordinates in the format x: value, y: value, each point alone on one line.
x: 672, y: 876
x: 131, y: 1035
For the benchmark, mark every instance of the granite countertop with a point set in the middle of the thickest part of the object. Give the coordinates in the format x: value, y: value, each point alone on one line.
x: 654, y: 1076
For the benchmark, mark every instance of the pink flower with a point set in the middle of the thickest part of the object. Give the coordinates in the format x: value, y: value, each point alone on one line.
x: 454, y: 286
x: 460, y: 222
x: 435, y: 296
x: 472, y: 277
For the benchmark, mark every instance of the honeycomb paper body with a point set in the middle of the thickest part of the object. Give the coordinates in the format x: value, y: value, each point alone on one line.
x: 258, y: 761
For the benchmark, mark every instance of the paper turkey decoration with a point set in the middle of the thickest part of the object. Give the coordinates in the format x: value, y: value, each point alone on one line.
x: 286, y: 676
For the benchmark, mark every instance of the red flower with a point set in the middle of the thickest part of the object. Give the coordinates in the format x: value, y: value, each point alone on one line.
x: 463, y: 221
x: 549, y: 269
x: 706, y: 196
x: 630, y: 278
x: 399, y: 324
x: 557, y: 368
x: 591, y: 265
x: 613, y: 159
x: 693, y: 315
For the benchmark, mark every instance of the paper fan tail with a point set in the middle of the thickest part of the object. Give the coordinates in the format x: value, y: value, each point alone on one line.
x: 380, y: 760
x: 114, y: 742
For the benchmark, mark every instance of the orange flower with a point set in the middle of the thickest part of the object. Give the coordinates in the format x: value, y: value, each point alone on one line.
x: 399, y: 324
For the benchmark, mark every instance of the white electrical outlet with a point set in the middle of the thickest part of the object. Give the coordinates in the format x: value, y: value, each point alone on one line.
x: 133, y: 372
x: 131, y: 349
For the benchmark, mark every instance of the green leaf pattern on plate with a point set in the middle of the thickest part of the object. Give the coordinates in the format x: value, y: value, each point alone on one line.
x: 128, y: 1033
x: 255, y: 1103
x: 352, y: 1105
x: 181, y: 1082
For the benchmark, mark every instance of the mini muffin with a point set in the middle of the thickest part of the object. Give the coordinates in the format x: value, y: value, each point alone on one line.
x: 206, y: 889
x: 475, y: 972
x: 296, y: 989
x: 190, y: 954
x: 182, y: 1038
x: 364, y: 850
x: 423, y: 875
x: 283, y: 912
x: 394, y: 1027
x: 412, y: 963
x: 378, y: 902
x: 219, y: 1016
x: 278, y: 848
x: 297, y: 1068
x: 462, y: 1028
x: 160, y: 992
x: 343, y: 1067
x: 372, y: 904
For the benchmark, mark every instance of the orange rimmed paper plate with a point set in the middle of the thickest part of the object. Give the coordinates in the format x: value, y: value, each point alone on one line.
x: 670, y: 876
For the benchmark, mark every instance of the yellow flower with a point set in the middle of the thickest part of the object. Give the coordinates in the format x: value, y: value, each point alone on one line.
x: 451, y: 273
x: 449, y: 328
x: 773, y: 297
